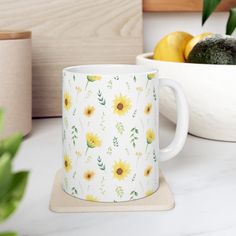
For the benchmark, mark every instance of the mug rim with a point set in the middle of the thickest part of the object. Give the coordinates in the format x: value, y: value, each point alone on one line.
x: 99, y: 69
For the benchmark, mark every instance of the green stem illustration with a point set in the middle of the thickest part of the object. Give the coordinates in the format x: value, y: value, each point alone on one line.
x: 86, y: 151
x: 147, y: 84
x: 86, y: 85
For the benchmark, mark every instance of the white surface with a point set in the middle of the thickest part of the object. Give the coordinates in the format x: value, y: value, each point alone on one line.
x: 202, y: 180
x: 156, y: 25
x: 210, y: 92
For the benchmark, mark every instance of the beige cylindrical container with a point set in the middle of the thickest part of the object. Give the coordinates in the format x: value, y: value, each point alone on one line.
x: 16, y: 82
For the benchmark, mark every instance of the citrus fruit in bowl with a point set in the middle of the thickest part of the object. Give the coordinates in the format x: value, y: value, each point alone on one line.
x: 210, y: 90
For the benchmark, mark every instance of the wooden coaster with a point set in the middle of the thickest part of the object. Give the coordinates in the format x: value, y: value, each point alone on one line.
x: 60, y: 201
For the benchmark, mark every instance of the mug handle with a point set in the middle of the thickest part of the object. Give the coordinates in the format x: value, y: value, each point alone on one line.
x: 182, y: 121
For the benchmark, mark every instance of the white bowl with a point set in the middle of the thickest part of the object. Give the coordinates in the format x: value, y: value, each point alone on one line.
x: 210, y: 91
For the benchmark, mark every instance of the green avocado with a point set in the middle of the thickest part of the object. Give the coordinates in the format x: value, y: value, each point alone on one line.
x: 216, y: 49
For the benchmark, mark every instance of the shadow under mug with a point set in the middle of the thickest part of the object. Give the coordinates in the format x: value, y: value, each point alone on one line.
x: 110, y: 131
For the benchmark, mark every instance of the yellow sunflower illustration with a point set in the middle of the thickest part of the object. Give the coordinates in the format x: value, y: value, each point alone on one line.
x: 92, y: 141
x: 67, y: 101
x: 67, y: 163
x: 88, y: 175
x: 88, y: 111
x: 92, y: 78
x: 148, y: 109
x: 150, y: 136
x: 149, y: 192
x: 148, y: 171
x: 121, y: 170
x: 121, y: 105
x: 150, y: 76
x: 91, y: 198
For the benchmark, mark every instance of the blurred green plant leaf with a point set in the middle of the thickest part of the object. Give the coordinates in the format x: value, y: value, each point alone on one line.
x: 208, y: 7
x: 11, y: 144
x: 10, y: 201
x: 8, y: 234
x: 231, y: 23
x: 1, y: 119
x: 5, y: 174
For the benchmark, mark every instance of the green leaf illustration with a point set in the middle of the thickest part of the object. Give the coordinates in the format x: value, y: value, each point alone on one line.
x: 74, y: 134
x: 101, y: 165
x: 133, y: 194
x: 74, y: 191
x: 154, y: 156
x: 134, y: 136
x: 119, y: 191
x: 109, y: 84
x: 120, y: 128
x: 128, y: 86
x: 154, y: 94
x: 134, y: 114
x: 74, y: 112
x: 109, y: 151
x: 101, y: 99
x: 115, y: 142
x: 134, y: 176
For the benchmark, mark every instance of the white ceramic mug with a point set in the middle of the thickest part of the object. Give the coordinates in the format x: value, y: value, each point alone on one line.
x: 110, y: 131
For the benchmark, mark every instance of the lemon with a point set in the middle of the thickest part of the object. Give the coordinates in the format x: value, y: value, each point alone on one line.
x: 172, y: 47
x: 194, y: 41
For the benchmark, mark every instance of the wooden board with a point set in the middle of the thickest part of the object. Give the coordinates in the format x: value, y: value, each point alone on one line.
x: 60, y: 201
x: 182, y: 5
x: 72, y: 32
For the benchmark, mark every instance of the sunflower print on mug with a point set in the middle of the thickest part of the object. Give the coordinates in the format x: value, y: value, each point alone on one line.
x: 150, y: 76
x: 67, y: 101
x: 148, y: 109
x: 150, y: 136
x: 92, y: 78
x: 89, y: 175
x: 67, y: 163
x: 121, y: 105
x: 93, y: 141
x: 149, y: 192
x: 91, y: 198
x: 121, y: 170
x: 148, y: 171
x: 89, y: 111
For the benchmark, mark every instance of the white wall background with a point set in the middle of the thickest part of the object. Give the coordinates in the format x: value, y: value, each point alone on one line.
x: 156, y: 25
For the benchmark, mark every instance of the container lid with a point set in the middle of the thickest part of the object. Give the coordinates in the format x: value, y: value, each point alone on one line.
x: 8, y: 35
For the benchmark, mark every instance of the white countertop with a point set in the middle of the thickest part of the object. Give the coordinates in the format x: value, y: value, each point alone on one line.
x: 202, y: 179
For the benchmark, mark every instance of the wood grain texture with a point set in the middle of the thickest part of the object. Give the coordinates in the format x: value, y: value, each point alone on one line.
x: 73, y: 32
x: 182, y: 5
x: 62, y: 202
x: 7, y: 35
